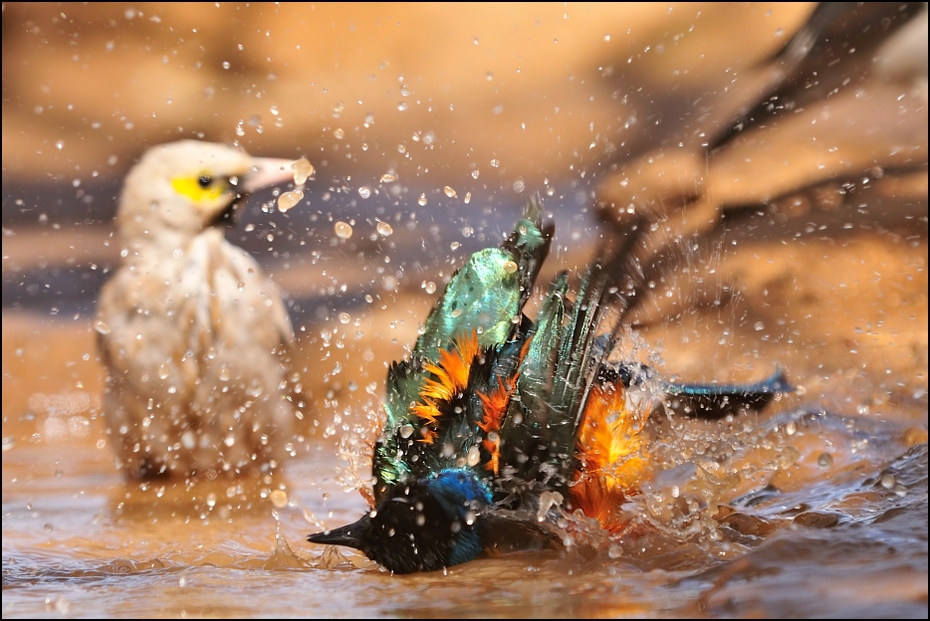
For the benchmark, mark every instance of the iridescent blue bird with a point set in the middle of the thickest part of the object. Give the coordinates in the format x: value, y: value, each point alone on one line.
x: 495, y: 421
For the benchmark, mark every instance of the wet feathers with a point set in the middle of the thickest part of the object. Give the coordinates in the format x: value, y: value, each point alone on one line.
x: 495, y: 422
x: 194, y: 338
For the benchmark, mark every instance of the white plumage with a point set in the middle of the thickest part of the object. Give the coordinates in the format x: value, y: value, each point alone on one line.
x: 194, y: 337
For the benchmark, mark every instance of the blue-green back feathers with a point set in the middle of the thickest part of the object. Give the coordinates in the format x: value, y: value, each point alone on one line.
x: 484, y: 298
x: 488, y: 293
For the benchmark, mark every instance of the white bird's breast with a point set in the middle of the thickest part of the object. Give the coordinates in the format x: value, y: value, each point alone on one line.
x: 201, y: 313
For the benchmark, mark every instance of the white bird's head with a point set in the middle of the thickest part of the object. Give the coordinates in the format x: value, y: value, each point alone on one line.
x: 182, y: 188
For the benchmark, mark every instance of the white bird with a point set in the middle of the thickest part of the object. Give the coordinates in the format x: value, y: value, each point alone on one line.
x: 195, y: 339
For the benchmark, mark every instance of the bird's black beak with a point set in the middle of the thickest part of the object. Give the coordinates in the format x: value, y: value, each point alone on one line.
x: 349, y: 535
x: 264, y: 173
x: 226, y: 216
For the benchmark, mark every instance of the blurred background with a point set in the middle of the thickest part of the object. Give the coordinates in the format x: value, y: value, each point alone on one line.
x: 439, y: 119
x: 430, y: 91
x: 412, y: 108
x: 766, y: 121
x: 790, y: 137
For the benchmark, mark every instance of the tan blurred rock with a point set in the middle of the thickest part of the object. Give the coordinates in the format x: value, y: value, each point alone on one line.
x: 543, y: 89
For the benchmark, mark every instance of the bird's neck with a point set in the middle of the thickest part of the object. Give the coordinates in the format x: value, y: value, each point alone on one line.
x: 165, y: 245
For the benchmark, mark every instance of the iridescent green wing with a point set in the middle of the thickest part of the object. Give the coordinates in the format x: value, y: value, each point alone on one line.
x: 488, y: 293
x: 540, y: 430
x: 571, y: 342
x: 389, y: 465
x: 484, y: 297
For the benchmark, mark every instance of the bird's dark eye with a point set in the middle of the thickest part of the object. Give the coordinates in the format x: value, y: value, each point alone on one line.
x: 205, y: 181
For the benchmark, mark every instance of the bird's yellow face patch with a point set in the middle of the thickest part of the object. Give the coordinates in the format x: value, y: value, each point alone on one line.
x: 203, y: 188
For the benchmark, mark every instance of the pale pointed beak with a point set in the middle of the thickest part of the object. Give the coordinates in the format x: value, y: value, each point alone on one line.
x: 267, y: 172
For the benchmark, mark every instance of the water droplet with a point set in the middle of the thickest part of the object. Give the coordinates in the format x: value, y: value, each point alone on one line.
x: 474, y: 456
x: 406, y: 431
x: 279, y: 498
x: 887, y: 481
x: 343, y: 230
x: 303, y: 170
x: 389, y: 283
x: 254, y: 389
x: 429, y: 287
x: 510, y: 267
x: 388, y: 178
x: 364, y: 191
x: 546, y: 501
x: 449, y: 192
x: 402, y: 106
x: 787, y: 458
x: 101, y: 326
x: 422, y: 200
x: 825, y: 460
x: 339, y: 133
x: 495, y: 163
x: 384, y: 229
x: 289, y: 199
x: 163, y: 371
x: 345, y: 318
x: 188, y: 440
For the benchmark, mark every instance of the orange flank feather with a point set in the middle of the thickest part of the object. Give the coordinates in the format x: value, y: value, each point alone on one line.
x: 451, y: 379
x: 495, y: 406
x: 611, y: 448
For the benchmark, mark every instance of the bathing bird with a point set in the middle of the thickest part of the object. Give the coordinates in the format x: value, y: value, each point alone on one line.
x: 195, y: 339
x: 497, y: 424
